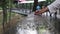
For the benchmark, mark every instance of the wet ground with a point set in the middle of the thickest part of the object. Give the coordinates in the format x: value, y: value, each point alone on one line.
x: 34, y: 24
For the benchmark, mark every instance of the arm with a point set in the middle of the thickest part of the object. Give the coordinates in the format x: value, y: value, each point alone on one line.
x: 52, y: 7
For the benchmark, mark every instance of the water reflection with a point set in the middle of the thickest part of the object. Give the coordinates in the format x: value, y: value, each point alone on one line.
x: 27, y: 26
x: 26, y: 31
x: 32, y: 25
x: 35, y: 24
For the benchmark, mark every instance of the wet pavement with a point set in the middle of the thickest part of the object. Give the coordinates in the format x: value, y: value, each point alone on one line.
x: 34, y: 24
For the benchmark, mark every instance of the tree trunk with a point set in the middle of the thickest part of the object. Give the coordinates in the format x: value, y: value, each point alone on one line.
x: 4, y: 13
x: 35, y: 4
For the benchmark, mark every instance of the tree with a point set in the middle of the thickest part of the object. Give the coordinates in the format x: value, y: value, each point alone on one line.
x: 50, y: 1
x: 35, y: 4
x: 4, y: 4
x: 4, y: 8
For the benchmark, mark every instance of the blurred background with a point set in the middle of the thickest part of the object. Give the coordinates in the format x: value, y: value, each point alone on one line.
x: 17, y: 17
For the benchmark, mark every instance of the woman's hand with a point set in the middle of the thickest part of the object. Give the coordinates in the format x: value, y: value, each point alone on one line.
x: 41, y: 11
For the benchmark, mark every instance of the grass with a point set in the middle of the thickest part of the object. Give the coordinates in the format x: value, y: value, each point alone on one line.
x: 1, y: 16
x: 12, y: 15
x: 0, y: 8
x: 42, y: 29
x: 1, y: 20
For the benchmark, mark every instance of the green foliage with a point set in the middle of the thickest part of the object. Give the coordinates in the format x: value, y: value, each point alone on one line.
x: 50, y: 1
x: 26, y: 5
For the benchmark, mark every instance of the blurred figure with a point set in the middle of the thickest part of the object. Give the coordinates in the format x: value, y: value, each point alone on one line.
x: 37, y: 9
x: 52, y: 7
